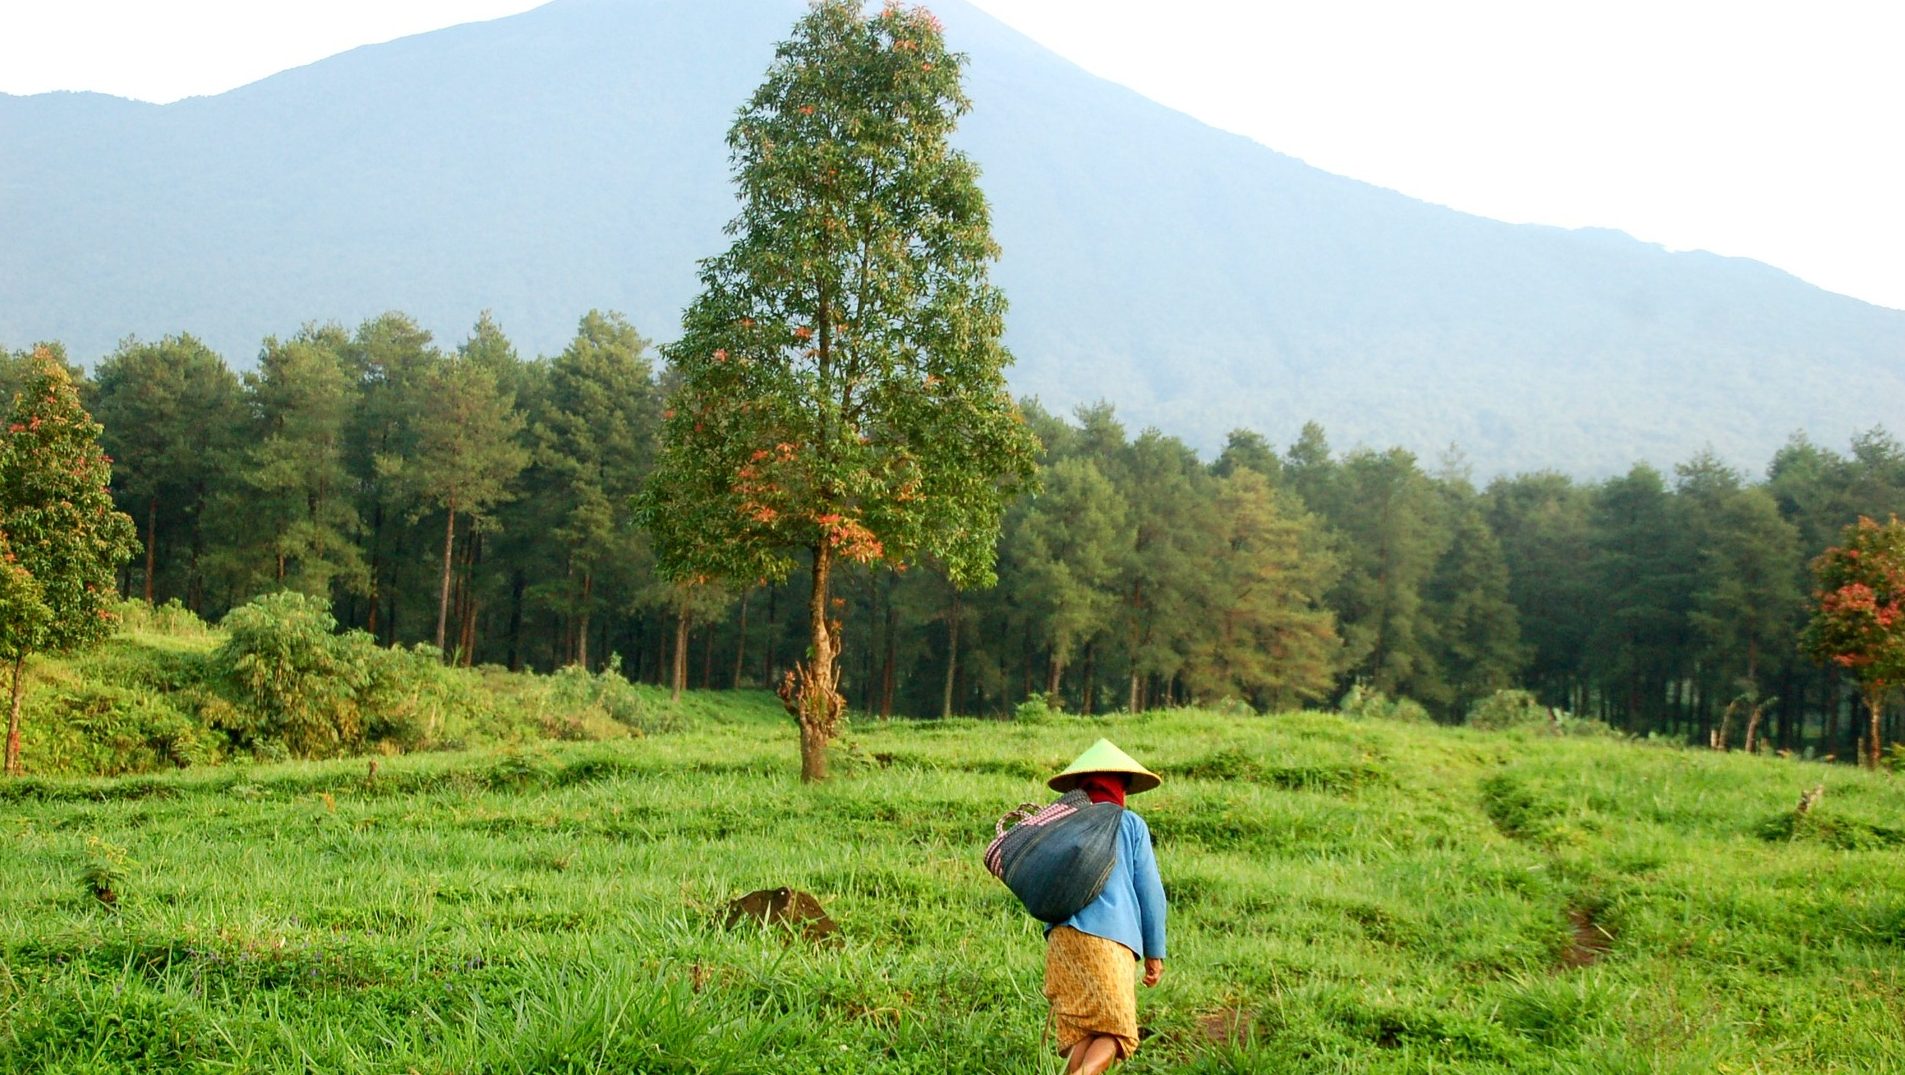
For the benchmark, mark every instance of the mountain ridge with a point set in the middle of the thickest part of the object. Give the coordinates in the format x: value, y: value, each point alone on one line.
x: 572, y: 156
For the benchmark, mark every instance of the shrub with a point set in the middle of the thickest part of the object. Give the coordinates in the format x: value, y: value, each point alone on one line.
x: 409, y: 700
x: 591, y: 705
x: 171, y: 619
x: 1367, y: 702
x: 109, y: 730
x: 1038, y: 707
x: 1506, y: 709
x: 293, y: 678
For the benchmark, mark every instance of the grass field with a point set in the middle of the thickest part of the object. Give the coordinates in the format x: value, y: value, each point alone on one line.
x: 1347, y: 896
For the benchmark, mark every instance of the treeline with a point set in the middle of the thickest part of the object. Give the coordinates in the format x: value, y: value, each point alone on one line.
x: 479, y: 501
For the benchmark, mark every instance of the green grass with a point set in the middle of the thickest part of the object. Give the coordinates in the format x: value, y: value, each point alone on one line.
x: 156, y: 697
x: 1347, y: 896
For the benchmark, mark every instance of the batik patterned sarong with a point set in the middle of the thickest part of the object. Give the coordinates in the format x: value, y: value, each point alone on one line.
x: 1092, y: 984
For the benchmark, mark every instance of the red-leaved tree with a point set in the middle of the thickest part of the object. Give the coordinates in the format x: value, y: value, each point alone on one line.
x: 61, y: 541
x: 1858, y: 623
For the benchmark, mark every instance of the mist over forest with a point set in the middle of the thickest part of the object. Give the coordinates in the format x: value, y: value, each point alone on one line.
x: 573, y: 157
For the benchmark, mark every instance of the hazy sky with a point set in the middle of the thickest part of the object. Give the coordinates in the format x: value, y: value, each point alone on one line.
x: 1766, y: 130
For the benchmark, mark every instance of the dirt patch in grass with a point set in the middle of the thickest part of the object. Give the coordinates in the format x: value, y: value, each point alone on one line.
x: 1588, y: 939
x: 1228, y: 1025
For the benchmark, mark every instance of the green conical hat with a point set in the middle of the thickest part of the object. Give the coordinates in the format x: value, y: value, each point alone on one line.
x: 1105, y: 757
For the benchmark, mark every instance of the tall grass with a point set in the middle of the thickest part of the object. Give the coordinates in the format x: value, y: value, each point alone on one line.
x: 1347, y: 896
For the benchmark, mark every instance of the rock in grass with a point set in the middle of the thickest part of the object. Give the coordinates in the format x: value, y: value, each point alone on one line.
x: 790, y: 907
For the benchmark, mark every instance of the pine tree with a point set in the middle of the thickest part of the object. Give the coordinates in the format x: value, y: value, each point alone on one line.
x: 173, y: 415
x: 1270, y: 639
x: 595, y: 443
x: 463, y: 457
x: 61, y: 540
x: 1541, y: 523
x: 1392, y: 531
x: 1641, y: 571
x: 1068, y: 546
x: 389, y: 356
x: 294, y: 522
x: 1164, y: 588
x: 841, y: 373
x: 1477, y: 641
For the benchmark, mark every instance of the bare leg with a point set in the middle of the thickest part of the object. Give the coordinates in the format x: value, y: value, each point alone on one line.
x: 1091, y: 1056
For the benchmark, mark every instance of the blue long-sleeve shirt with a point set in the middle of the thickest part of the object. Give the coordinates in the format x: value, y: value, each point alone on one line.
x: 1131, y: 908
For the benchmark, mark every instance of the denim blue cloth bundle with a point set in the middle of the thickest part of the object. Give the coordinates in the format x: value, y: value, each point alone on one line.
x: 1056, y: 859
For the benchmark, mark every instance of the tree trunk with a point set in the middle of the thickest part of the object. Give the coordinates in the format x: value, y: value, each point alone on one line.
x: 1752, y: 726
x: 1054, y: 671
x: 13, y: 719
x: 740, y: 642
x: 888, y: 670
x: 768, y: 651
x: 517, y: 583
x: 1874, y: 701
x: 152, y: 542
x: 1134, y: 690
x: 952, y: 658
x: 1829, y: 735
x: 443, y: 592
x: 707, y: 660
x: 810, y: 691
x: 1091, y: 686
x: 582, y: 627
x: 376, y: 580
x: 194, y: 577
x: 466, y: 597
x: 679, y: 672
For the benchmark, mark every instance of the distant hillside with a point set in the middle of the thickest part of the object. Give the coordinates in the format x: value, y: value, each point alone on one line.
x: 572, y: 157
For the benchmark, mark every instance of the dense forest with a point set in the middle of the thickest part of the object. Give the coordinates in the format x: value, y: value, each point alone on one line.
x: 480, y: 502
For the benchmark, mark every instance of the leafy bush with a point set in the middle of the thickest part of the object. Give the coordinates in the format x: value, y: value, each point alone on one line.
x: 584, y: 699
x: 293, y: 677
x: 277, y: 680
x: 410, y: 701
x: 1036, y: 708
x: 110, y: 730
x: 1506, y: 709
x: 171, y: 619
x: 1367, y: 702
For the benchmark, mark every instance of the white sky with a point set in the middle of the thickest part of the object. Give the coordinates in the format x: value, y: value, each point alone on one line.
x: 1767, y: 130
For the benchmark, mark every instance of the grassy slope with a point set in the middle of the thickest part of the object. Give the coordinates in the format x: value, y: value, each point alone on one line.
x: 153, y: 699
x: 1356, y: 897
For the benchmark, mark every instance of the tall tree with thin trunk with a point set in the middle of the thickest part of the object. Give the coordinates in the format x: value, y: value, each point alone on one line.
x: 389, y: 355
x: 61, y: 540
x: 1067, y: 548
x: 1476, y: 641
x: 1639, y: 567
x: 842, y: 392
x: 1858, y: 623
x: 292, y: 520
x: 465, y: 455
x: 1163, y: 583
x: 1268, y: 637
x: 172, y: 415
x: 594, y: 436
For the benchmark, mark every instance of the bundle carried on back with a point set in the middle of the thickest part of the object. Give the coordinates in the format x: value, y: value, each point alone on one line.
x: 1056, y: 858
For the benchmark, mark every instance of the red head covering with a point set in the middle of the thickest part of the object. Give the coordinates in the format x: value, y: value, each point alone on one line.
x: 1104, y: 787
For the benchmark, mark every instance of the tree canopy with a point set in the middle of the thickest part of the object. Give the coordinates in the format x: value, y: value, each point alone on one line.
x: 61, y: 539
x: 1859, y: 622
x: 840, y: 377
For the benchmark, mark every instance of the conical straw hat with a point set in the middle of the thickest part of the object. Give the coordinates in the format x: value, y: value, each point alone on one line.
x: 1104, y: 757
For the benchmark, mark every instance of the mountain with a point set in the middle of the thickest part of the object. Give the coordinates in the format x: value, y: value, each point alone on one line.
x: 573, y: 157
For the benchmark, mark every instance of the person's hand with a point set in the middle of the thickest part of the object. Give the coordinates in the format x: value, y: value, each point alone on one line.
x: 1153, y: 971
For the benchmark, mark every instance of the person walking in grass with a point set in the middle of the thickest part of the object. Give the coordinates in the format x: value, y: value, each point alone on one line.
x: 1090, y: 958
